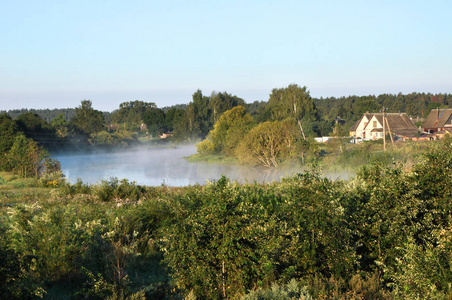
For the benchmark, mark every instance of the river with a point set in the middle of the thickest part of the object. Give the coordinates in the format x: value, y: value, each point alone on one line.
x: 154, y: 166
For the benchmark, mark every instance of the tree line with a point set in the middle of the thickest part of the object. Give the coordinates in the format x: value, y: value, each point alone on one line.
x: 351, y: 108
x: 194, y: 121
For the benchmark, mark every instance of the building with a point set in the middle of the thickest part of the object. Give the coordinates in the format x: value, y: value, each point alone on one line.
x: 357, y: 129
x: 165, y: 135
x: 370, y: 126
x: 438, y: 121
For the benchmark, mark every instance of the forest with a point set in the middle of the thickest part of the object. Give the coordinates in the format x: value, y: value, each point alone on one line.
x: 193, y: 121
x: 383, y: 234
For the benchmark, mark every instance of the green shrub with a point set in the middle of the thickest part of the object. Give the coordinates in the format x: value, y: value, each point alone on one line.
x: 52, y: 180
x: 119, y: 190
x: 293, y: 290
x: 105, y: 190
x: 128, y: 190
x: 73, y: 189
x: 205, y: 147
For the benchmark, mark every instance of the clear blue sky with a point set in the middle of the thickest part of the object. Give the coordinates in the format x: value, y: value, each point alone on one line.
x: 53, y: 54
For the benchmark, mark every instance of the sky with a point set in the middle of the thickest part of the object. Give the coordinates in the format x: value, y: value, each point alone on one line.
x: 54, y: 54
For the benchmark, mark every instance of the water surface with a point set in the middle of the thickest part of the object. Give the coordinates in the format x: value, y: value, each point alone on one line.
x: 153, y: 166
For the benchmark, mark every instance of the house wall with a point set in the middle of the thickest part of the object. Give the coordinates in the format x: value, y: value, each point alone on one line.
x: 373, y: 124
x: 361, y: 127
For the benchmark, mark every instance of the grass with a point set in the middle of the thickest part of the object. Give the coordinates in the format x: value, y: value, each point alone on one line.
x: 14, y: 189
x: 9, y: 180
x: 212, y: 158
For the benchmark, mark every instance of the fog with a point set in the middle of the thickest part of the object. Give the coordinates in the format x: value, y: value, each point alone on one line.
x: 154, y: 166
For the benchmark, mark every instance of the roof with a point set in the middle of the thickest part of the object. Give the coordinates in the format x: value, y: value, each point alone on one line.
x: 355, y: 126
x: 377, y: 130
x: 399, y: 123
x: 437, y: 118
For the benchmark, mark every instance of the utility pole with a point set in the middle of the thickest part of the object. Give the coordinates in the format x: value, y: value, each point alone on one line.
x: 390, y: 134
x: 301, y: 128
x: 384, y: 131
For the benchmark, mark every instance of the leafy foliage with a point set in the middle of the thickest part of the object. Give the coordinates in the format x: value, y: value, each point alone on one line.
x: 38, y: 129
x: 154, y: 119
x: 8, y: 133
x: 290, y: 291
x: 132, y: 113
x: 87, y: 120
x: 230, y: 129
x: 26, y: 157
x: 269, y: 143
x: 386, y: 234
x: 292, y: 102
x: 351, y: 108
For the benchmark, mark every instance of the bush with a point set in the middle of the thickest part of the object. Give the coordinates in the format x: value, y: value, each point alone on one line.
x: 115, y: 189
x: 105, y: 190
x: 293, y: 290
x: 205, y: 147
x: 52, y: 180
x: 78, y: 188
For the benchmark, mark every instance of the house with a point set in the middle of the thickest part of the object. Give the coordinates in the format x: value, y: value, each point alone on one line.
x: 399, y: 124
x: 357, y: 129
x: 438, y: 121
x: 370, y: 126
x: 112, y: 127
x: 165, y: 135
x: 322, y: 139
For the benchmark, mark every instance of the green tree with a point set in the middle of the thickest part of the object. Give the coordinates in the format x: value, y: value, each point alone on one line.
x: 215, y: 246
x: 61, y: 125
x: 172, y: 117
x: 180, y: 126
x: 13, y: 270
x: 8, y: 132
x: 311, y: 239
x: 197, y: 116
x: 339, y: 142
x: 87, y: 120
x: 202, y: 113
x: 155, y: 121
x: 292, y: 102
x: 221, y: 102
x: 230, y: 129
x: 101, y: 138
x: 269, y: 143
x: 36, y: 128
x: 131, y: 113
x: 26, y: 157
x: 259, y: 111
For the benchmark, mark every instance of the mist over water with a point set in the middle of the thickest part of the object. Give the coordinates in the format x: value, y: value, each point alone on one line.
x: 154, y: 166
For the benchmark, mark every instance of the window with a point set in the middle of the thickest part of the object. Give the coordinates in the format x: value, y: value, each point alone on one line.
x: 375, y: 124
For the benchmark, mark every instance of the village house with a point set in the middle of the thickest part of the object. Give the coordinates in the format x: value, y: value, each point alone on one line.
x: 165, y: 135
x: 112, y: 127
x: 370, y: 126
x: 438, y: 122
x: 357, y: 130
